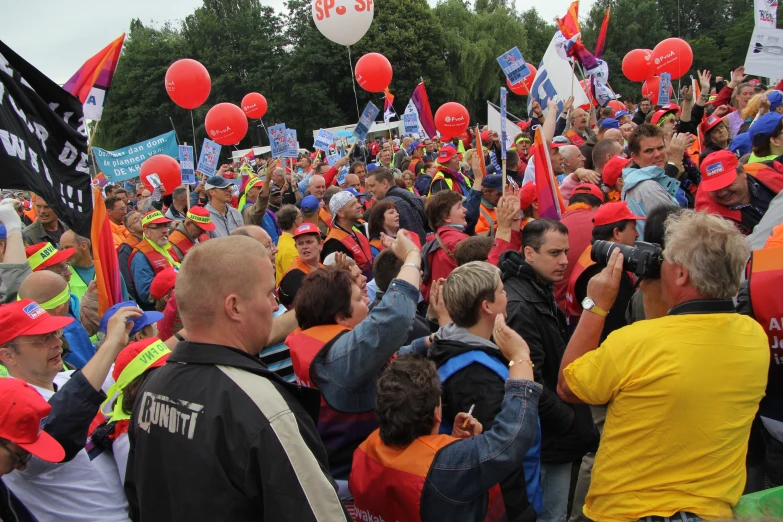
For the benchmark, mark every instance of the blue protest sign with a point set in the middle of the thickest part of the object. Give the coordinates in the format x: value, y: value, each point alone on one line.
x: 332, y: 159
x: 277, y: 140
x: 514, y: 66
x: 503, y: 133
x: 324, y: 139
x: 664, y: 88
x: 186, y: 164
x: 366, y: 121
x: 208, y: 159
x: 292, y: 145
x: 125, y: 163
x: 411, y: 122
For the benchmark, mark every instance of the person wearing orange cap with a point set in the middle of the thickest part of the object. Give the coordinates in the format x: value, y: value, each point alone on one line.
x: 156, y: 256
x: 528, y: 204
x: 185, y: 234
x: 449, y: 177
x: 309, y: 246
x: 612, y: 176
x: 715, y: 133
x: 727, y: 190
x: 44, y: 256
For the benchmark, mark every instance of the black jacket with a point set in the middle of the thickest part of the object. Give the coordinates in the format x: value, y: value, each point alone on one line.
x: 567, y: 430
x: 481, y: 386
x: 216, y: 436
x: 411, y: 210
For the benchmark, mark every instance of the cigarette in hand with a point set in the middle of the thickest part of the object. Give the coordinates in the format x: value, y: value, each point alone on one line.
x: 470, y: 412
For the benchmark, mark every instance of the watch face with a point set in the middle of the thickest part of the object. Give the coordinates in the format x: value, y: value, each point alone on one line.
x: 587, y: 303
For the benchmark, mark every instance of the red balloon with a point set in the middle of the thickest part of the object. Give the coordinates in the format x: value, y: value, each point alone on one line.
x: 254, y: 105
x: 637, y: 65
x: 616, y: 105
x: 523, y: 87
x: 226, y: 124
x: 451, y: 119
x: 651, y: 87
x: 188, y: 83
x: 167, y: 170
x: 673, y: 56
x: 373, y: 72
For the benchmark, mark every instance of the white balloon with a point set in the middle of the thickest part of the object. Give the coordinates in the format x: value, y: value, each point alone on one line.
x: 343, y: 21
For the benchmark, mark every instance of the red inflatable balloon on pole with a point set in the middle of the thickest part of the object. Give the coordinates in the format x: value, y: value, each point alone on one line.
x: 167, y: 170
x: 451, y: 119
x: 616, y: 105
x: 226, y: 124
x: 254, y: 105
x: 651, y: 88
x: 637, y: 65
x: 188, y: 83
x: 373, y: 72
x: 673, y: 56
x: 523, y: 87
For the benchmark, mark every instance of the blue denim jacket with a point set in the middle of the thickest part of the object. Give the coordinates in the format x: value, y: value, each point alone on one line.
x: 346, y: 375
x: 464, y: 471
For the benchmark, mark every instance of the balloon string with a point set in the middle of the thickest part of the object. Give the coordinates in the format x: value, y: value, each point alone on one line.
x: 193, y: 128
x: 353, y: 83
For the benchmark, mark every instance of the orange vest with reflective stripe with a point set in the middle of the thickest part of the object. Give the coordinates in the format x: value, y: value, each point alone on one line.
x: 360, y: 251
x: 487, y: 221
x: 157, y: 260
x: 183, y: 243
x: 574, y: 138
x: 387, y: 482
x: 131, y: 241
x: 325, y: 216
x: 573, y: 308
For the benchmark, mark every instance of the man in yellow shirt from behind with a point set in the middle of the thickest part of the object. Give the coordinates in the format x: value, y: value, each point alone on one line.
x: 682, y: 389
x: 288, y: 219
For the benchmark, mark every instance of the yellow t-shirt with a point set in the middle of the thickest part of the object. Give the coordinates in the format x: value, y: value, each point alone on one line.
x: 682, y: 392
x: 286, y: 253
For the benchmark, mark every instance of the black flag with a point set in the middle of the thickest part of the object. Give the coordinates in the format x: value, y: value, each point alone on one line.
x: 43, y: 147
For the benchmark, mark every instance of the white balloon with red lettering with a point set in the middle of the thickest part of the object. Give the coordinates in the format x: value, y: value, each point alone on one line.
x: 344, y: 22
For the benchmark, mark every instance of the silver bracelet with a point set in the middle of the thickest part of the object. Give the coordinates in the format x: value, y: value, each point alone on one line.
x: 414, y: 265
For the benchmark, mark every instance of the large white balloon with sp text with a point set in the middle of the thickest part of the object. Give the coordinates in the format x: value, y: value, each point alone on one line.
x: 343, y: 21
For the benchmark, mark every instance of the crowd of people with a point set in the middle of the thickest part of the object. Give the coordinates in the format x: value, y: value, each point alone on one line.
x: 406, y: 335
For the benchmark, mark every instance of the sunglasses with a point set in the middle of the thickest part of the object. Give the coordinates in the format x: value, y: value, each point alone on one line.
x: 19, y: 460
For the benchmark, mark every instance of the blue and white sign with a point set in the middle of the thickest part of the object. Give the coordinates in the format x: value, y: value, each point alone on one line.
x: 411, y: 122
x: 277, y: 140
x: 186, y: 164
x: 503, y: 134
x: 125, y: 163
x: 208, y: 159
x: 324, y: 139
x: 665, y: 88
x: 514, y: 66
x: 292, y: 144
x: 366, y: 121
x: 332, y: 159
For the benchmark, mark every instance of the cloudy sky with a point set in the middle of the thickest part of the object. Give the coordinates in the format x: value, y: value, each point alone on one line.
x: 58, y: 38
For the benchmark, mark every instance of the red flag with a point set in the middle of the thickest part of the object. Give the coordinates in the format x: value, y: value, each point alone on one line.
x: 550, y: 202
x: 92, y: 81
x: 422, y: 104
x: 600, y: 45
x: 569, y: 24
x: 107, y: 267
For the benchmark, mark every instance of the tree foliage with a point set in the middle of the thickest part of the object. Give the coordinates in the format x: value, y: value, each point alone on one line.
x: 453, y: 46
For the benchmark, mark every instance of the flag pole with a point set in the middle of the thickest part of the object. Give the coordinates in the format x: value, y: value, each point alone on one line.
x: 504, y: 176
x: 193, y: 128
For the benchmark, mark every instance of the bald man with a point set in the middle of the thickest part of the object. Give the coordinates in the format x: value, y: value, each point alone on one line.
x: 353, y: 181
x: 573, y: 167
x: 603, y: 134
x: 51, y: 291
x: 245, y: 406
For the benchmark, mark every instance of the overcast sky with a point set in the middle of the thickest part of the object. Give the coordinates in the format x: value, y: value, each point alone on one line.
x: 58, y: 37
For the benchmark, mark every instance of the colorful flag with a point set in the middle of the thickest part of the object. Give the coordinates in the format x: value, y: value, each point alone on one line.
x: 422, y: 104
x: 569, y: 24
x: 600, y: 45
x: 107, y: 267
x: 388, y: 106
x: 550, y: 202
x: 251, y: 157
x: 569, y: 27
x: 92, y: 81
x: 555, y: 79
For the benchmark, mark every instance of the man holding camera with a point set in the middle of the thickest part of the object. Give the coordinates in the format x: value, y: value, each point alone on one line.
x: 682, y: 389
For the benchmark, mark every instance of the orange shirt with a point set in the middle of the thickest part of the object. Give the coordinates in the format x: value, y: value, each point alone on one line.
x: 119, y: 233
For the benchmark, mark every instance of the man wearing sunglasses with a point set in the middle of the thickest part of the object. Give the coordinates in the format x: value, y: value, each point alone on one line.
x: 151, y: 256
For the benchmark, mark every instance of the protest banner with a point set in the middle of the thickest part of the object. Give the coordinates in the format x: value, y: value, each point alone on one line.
x: 292, y: 145
x: 765, y: 52
x: 766, y: 13
x: 332, y: 159
x: 277, y: 140
x: 411, y: 122
x: 664, y: 88
x: 125, y: 163
x: 186, y: 164
x: 366, y: 121
x: 324, y: 139
x: 208, y: 159
x: 43, y: 144
x: 556, y: 80
x: 514, y: 66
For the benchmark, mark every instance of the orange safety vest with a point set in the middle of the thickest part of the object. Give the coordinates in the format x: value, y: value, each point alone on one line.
x: 487, y: 221
x: 183, y: 244
x: 387, y: 482
x: 378, y: 244
x: 766, y: 277
x: 341, y: 432
x: 131, y: 241
x: 325, y: 217
x: 158, y: 261
x: 360, y: 251
x: 574, y: 309
x: 574, y: 138
x: 298, y: 264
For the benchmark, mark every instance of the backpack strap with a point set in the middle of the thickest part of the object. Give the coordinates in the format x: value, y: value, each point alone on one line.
x: 449, y: 253
x: 464, y: 360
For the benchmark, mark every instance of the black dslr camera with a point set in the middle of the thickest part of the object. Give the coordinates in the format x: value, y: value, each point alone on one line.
x: 643, y: 259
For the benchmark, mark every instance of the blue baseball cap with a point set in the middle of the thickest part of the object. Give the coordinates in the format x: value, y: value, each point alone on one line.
x: 146, y: 319
x: 3, y: 234
x: 610, y: 123
x: 493, y: 181
x: 620, y: 114
x: 415, y: 145
x: 775, y: 100
x: 310, y: 204
x: 764, y: 127
x: 355, y: 192
x: 218, y: 182
x: 740, y: 145
x: 371, y: 167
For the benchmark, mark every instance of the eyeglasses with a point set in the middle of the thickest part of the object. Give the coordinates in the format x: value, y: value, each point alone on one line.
x: 45, y: 340
x: 157, y: 227
x: 19, y: 460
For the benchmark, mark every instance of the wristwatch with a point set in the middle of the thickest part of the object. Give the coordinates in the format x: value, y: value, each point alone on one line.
x: 589, y: 305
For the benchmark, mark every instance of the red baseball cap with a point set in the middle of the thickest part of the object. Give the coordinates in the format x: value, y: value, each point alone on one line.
x: 718, y: 171
x: 614, y: 212
x: 588, y: 188
x: 446, y: 153
x: 163, y: 282
x: 557, y: 145
x: 201, y: 217
x: 43, y: 255
x: 307, y: 228
x: 659, y: 114
x: 154, y: 217
x: 133, y: 349
x: 527, y: 195
x: 614, y: 169
x: 671, y: 107
x: 26, y: 317
x: 22, y: 417
x: 709, y: 124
